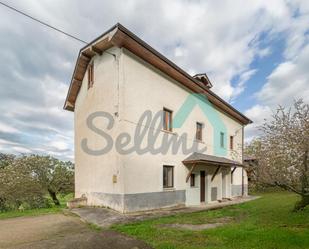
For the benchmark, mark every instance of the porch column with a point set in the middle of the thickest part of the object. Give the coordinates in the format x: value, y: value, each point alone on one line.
x: 229, y: 183
x: 220, y: 175
x: 208, y: 186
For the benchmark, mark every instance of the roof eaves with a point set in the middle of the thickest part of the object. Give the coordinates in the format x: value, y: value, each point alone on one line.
x: 162, y: 57
x: 147, y: 46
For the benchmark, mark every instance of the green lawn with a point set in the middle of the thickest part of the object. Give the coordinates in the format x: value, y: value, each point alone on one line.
x: 264, y: 223
x: 32, y: 212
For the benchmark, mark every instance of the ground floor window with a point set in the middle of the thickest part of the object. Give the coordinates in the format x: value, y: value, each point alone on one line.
x: 168, y: 176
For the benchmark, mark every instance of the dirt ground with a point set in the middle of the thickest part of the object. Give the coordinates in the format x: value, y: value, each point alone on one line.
x: 60, y: 231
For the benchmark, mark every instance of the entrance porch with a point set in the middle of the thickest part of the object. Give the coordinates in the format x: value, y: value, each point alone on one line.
x: 209, y: 179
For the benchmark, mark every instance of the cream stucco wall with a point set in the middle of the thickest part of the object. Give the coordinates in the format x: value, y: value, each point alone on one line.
x: 94, y: 174
x: 125, y: 86
x: 146, y: 88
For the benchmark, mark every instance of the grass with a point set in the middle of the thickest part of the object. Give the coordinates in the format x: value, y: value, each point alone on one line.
x: 33, y: 212
x: 267, y: 223
x: 94, y: 227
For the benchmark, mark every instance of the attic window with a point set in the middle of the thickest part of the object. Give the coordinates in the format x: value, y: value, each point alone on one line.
x: 203, y: 78
x: 90, y: 75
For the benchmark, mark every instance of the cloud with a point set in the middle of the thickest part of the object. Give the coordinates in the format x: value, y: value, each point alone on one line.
x: 289, y: 81
x: 259, y: 114
x: 264, y: 52
x: 7, y: 128
x: 221, y: 38
x: 240, y: 87
x: 290, y: 78
x: 21, y: 150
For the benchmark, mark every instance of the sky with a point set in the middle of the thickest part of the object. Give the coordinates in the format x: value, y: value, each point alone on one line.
x: 256, y: 54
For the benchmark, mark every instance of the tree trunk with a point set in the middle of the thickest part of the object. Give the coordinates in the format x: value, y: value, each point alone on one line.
x: 2, y: 204
x: 54, y: 197
x: 300, y: 205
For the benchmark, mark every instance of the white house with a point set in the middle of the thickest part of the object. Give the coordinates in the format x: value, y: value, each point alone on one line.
x: 117, y: 79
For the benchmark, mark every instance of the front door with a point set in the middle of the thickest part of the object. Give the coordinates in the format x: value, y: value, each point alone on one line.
x: 202, y: 186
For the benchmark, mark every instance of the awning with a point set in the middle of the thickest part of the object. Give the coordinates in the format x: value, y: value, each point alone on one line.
x: 209, y: 159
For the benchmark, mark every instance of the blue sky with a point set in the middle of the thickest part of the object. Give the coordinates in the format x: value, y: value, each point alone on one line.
x: 256, y: 53
x: 264, y: 66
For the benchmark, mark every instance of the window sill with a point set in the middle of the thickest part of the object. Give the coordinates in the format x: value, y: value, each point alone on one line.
x: 199, y: 141
x: 169, y: 132
x: 169, y: 189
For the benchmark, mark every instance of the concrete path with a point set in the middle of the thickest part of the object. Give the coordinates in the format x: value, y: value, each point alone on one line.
x: 61, y: 232
x: 104, y: 217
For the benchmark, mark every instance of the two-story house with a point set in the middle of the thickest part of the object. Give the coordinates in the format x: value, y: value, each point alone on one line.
x: 118, y: 79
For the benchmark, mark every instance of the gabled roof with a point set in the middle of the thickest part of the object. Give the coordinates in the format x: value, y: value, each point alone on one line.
x: 209, y: 159
x: 119, y: 36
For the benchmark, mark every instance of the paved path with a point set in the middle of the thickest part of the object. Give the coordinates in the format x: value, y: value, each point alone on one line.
x: 104, y: 217
x: 61, y: 232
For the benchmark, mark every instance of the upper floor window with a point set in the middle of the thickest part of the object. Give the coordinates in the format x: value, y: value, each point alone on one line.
x: 231, y: 142
x: 168, y: 176
x: 222, y: 139
x: 199, y: 131
x: 167, y: 119
x: 90, y: 75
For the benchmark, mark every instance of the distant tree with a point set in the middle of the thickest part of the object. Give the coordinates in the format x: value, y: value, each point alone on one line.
x: 6, y: 159
x: 18, y: 187
x: 283, y: 156
x: 251, y: 161
x: 54, y: 176
x: 27, y: 180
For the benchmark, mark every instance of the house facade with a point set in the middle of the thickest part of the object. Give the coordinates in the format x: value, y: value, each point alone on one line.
x: 118, y: 80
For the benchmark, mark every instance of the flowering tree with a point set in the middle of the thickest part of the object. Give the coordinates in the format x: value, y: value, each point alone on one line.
x: 283, y: 157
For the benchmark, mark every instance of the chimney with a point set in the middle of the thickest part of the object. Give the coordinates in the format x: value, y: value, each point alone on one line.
x: 203, y: 78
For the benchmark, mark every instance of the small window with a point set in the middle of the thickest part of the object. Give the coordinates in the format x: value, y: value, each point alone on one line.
x: 199, y: 131
x: 192, y: 180
x: 222, y: 139
x: 231, y: 142
x: 168, y: 176
x: 90, y: 75
x: 167, y: 119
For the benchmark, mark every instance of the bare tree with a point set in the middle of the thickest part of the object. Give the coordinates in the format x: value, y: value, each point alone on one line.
x: 284, y: 152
